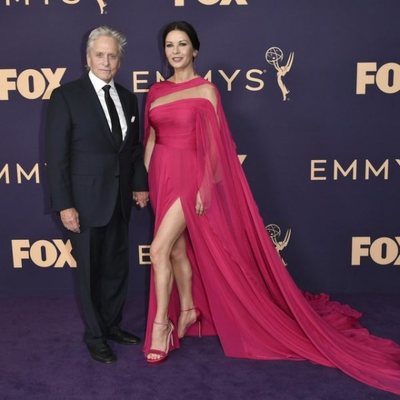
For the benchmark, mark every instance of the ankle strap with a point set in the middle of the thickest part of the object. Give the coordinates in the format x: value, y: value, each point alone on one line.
x: 161, y: 323
x: 189, y: 309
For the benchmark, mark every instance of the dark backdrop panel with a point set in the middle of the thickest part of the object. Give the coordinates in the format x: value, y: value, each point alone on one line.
x: 323, y: 163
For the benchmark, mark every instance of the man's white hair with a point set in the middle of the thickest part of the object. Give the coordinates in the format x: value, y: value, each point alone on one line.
x: 107, y: 31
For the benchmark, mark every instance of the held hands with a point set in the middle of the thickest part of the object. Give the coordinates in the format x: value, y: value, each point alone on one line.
x: 199, y: 205
x: 141, y: 198
x: 70, y: 219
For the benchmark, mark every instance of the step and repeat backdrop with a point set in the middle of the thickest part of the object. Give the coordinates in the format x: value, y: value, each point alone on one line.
x: 311, y: 92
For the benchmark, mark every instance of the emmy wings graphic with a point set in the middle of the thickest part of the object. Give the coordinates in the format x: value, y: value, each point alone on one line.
x: 274, y: 55
x: 102, y: 4
x: 274, y: 233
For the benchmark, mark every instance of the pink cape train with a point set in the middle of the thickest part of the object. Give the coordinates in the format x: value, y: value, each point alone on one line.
x: 244, y: 292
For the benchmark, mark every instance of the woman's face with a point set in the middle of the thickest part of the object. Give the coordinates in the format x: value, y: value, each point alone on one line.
x: 179, y: 50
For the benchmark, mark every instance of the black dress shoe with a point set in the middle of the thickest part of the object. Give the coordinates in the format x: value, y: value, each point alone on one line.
x: 102, y: 352
x: 122, y: 337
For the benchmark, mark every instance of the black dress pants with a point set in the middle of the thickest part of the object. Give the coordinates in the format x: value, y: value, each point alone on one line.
x: 102, y: 275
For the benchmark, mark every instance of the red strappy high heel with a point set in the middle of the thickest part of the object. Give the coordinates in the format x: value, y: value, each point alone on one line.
x: 170, y: 343
x: 197, y: 320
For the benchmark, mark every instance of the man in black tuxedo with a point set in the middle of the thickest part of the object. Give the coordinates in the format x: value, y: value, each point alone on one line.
x: 95, y: 166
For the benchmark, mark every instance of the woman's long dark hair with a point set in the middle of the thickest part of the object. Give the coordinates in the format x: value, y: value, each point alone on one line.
x: 184, y: 27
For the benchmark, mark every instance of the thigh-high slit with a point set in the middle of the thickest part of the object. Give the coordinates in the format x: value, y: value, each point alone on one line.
x: 246, y: 295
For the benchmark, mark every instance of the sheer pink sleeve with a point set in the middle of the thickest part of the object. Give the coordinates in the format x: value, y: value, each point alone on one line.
x: 149, y: 100
x: 208, y: 159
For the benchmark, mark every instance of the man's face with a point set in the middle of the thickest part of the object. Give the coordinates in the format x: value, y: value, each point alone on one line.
x: 103, y: 58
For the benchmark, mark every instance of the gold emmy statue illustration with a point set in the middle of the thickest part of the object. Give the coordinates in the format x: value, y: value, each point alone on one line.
x: 274, y: 55
x: 274, y: 233
x: 102, y: 4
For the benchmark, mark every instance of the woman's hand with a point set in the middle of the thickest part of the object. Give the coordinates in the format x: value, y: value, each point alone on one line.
x: 199, y: 205
x: 141, y: 198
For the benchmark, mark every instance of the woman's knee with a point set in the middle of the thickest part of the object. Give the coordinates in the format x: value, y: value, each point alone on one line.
x: 157, y: 254
x: 178, y: 253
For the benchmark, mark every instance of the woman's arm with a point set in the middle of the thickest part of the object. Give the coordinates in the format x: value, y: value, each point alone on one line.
x: 148, y: 151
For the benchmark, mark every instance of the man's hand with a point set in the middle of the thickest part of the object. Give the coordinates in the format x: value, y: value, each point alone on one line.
x: 141, y: 198
x: 70, y: 219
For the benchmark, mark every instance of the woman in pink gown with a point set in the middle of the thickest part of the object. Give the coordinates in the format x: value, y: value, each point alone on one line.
x: 215, y: 270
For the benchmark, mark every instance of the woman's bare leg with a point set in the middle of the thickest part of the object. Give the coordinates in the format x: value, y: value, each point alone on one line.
x: 183, y: 278
x: 171, y: 228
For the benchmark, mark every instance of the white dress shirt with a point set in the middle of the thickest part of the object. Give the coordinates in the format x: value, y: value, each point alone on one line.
x: 98, y: 85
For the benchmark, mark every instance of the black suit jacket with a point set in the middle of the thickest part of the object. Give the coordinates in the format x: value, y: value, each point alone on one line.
x: 85, y: 168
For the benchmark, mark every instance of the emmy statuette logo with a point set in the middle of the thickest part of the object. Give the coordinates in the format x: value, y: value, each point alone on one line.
x: 274, y: 55
x: 274, y: 232
x: 102, y: 4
